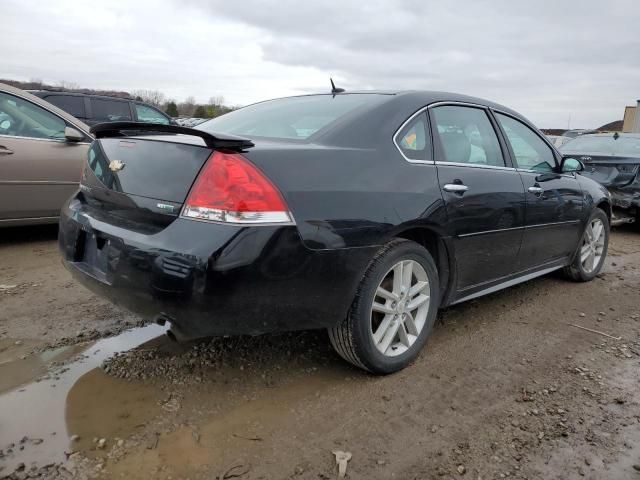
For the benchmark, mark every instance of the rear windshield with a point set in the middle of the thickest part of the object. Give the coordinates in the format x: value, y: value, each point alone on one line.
x: 608, y: 145
x: 289, y: 118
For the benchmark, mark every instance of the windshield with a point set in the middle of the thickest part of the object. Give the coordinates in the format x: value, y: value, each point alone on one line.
x: 604, y: 144
x: 289, y: 118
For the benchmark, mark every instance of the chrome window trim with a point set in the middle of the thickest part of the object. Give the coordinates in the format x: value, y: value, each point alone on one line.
x: 473, y: 165
x: 395, y: 139
x: 88, y: 134
x: 56, y: 140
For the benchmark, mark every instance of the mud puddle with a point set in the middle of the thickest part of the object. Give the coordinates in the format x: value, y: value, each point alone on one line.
x: 38, y: 418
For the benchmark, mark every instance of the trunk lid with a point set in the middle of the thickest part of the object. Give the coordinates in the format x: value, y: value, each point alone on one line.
x: 141, y: 182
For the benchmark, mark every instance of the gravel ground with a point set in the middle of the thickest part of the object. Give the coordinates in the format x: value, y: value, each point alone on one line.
x: 506, y: 388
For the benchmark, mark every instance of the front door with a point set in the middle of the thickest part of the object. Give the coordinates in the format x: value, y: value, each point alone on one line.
x: 483, y: 195
x: 553, y: 201
x: 39, y: 169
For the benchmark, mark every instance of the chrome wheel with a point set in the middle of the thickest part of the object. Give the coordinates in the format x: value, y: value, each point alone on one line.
x: 592, y: 245
x: 400, y: 308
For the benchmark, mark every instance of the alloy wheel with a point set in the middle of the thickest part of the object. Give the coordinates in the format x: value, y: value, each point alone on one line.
x: 400, y: 308
x: 592, y: 245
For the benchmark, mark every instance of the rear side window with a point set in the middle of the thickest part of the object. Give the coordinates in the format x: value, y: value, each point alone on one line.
x: 530, y: 151
x: 69, y: 103
x: 110, y: 110
x: 290, y: 118
x: 414, y: 140
x: 467, y: 136
x: 150, y: 115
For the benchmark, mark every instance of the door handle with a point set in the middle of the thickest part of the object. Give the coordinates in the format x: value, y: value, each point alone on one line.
x: 5, y: 151
x: 455, y: 188
x: 536, y: 190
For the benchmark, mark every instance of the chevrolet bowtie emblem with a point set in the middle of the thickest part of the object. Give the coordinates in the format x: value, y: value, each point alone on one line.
x: 116, y: 165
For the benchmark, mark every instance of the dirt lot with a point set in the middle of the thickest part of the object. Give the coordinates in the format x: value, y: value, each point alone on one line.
x: 505, y: 388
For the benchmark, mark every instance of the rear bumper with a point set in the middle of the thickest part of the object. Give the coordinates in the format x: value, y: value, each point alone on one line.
x: 213, y: 279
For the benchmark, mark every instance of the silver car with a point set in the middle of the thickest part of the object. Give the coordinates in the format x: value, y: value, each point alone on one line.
x: 42, y: 151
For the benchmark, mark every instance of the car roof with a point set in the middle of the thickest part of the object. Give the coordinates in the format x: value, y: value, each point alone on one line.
x: 46, y: 105
x: 78, y: 94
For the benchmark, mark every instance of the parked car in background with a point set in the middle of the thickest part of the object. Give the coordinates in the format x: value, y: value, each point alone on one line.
x: 612, y: 160
x: 93, y: 109
x: 189, y: 121
x: 42, y: 151
x: 330, y: 211
x: 558, y: 140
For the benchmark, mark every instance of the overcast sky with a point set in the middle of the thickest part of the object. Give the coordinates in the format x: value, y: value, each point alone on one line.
x: 550, y: 60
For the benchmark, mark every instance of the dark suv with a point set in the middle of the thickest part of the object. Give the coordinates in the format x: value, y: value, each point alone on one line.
x: 92, y: 109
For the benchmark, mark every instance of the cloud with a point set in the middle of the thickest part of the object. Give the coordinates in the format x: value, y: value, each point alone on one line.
x: 549, y: 60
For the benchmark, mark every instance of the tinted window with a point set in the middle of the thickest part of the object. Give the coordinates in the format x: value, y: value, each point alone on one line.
x: 150, y: 115
x: 110, y: 110
x: 604, y: 144
x: 21, y: 118
x: 414, y: 140
x: 467, y: 136
x: 291, y: 118
x: 68, y: 103
x: 531, y: 152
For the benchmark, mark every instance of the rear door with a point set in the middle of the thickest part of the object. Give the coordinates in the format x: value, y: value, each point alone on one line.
x: 483, y: 194
x: 553, y: 201
x: 39, y: 169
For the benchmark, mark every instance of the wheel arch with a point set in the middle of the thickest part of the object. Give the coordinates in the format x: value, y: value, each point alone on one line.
x: 435, y: 243
x: 605, y: 206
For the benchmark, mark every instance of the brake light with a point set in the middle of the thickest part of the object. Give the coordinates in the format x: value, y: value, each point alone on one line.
x: 230, y: 189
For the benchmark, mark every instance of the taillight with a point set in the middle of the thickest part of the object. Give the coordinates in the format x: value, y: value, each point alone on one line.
x: 230, y: 189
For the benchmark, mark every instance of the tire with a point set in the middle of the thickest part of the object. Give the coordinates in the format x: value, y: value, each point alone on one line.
x: 361, y: 337
x: 578, y: 271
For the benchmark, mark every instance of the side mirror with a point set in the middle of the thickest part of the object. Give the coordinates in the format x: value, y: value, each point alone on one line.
x: 570, y: 165
x: 73, y: 135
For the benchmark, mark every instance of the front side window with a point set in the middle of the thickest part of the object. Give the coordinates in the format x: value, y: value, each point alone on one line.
x: 530, y: 151
x: 21, y: 118
x: 467, y: 136
x: 413, y: 140
x: 150, y: 115
x: 110, y: 110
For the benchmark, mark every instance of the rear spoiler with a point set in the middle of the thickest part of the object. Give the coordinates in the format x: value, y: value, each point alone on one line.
x: 117, y: 129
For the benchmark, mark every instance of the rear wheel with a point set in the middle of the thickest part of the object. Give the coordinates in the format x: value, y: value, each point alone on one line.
x: 592, y: 249
x: 393, y: 312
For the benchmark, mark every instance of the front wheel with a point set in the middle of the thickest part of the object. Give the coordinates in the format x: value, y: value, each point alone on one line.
x: 393, y: 311
x: 592, y: 250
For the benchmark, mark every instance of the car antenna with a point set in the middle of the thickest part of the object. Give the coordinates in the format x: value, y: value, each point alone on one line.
x: 334, y: 89
x: 616, y: 136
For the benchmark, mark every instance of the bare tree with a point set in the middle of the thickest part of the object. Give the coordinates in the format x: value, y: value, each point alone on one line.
x: 187, y: 107
x: 153, y: 97
x: 66, y: 85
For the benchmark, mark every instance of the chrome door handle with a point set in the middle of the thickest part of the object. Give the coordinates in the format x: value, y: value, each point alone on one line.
x: 5, y: 151
x: 455, y: 188
x: 536, y: 190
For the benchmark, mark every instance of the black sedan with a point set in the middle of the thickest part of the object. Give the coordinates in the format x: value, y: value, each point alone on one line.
x: 360, y: 213
x: 613, y: 160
